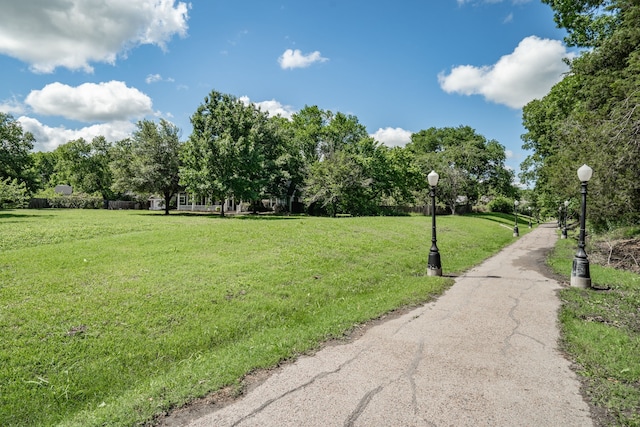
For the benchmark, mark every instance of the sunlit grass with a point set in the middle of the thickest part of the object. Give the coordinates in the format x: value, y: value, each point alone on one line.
x: 110, y: 317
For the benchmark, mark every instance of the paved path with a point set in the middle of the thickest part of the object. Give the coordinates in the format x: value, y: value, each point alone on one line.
x: 483, y: 354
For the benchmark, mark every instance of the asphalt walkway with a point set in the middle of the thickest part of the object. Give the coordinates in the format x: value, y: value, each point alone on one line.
x: 484, y: 354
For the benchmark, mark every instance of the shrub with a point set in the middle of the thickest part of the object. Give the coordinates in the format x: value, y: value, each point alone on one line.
x: 500, y: 204
x: 73, y: 201
x: 13, y: 194
x: 76, y: 201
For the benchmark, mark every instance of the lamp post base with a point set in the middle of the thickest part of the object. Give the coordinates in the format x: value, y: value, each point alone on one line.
x: 516, y: 232
x: 434, y: 267
x: 580, y: 276
x: 434, y: 271
x: 580, y: 282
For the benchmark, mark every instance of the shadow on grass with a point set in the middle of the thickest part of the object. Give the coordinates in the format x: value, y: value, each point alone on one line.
x: 502, y: 218
x: 21, y: 215
x: 214, y: 215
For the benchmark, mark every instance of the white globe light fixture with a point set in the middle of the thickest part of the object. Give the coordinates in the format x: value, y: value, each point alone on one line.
x: 585, y: 173
x: 433, y: 178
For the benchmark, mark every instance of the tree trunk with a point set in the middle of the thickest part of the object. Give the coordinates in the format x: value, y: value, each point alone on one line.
x: 167, y: 200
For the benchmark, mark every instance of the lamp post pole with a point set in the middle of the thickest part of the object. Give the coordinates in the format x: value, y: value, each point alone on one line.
x: 564, y: 223
x: 434, y: 265
x: 516, y: 232
x: 580, y: 276
x: 529, y: 210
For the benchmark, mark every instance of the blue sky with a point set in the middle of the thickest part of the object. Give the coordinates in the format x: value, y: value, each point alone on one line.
x: 74, y: 68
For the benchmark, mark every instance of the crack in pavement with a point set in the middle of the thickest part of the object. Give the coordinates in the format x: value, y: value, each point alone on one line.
x: 515, y: 331
x: 409, y: 374
x: 362, y: 405
x: 300, y: 387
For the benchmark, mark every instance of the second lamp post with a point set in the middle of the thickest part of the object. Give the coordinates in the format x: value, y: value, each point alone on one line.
x: 564, y: 223
x: 516, y: 232
x: 434, y: 265
x: 580, y: 276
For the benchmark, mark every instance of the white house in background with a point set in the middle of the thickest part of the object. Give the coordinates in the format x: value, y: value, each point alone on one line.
x: 187, y: 202
x: 65, y: 190
x: 156, y: 203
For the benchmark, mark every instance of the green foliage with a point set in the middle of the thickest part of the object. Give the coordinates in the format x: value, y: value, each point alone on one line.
x: 588, y: 22
x: 347, y: 171
x: 467, y: 163
x: 149, y: 162
x: 15, y: 145
x: 501, y: 204
x: 592, y: 116
x: 121, y: 315
x: 84, y: 165
x: 231, y: 152
x: 335, y: 181
x: 13, y: 194
x: 76, y: 200
x: 43, y: 169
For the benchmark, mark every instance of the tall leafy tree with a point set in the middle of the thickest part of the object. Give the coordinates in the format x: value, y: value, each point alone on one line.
x: 287, y: 166
x: 149, y: 161
x: 15, y: 148
x: 43, y: 168
x: 84, y: 165
x: 346, y: 170
x: 592, y: 116
x: 337, y: 184
x: 231, y: 150
x: 468, y: 163
x: 588, y: 22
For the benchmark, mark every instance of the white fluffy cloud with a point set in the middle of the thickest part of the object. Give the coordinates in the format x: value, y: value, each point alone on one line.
x: 90, y: 102
x: 155, y: 78
x: 527, y: 73
x: 11, y: 106
x: 272, y: 107
x: 295, y: 59
x: 392, y: 137
x: 73, y: 33
x: 48, y: 138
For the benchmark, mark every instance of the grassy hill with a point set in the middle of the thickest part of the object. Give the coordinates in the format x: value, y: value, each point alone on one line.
x: 111, y: 317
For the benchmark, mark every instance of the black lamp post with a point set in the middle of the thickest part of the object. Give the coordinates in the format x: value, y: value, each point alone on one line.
x: 516, y: 232
x: 434, y: 265
x: 580, y: 276
x: 529, y: 210
x: 564, y: 222
x: 560, y: 217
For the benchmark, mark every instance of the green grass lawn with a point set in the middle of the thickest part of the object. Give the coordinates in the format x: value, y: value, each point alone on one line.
x: 111, y: 317
x: 601, y: 332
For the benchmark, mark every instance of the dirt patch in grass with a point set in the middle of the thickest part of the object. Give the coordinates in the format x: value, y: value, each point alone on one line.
x: 623, y: 254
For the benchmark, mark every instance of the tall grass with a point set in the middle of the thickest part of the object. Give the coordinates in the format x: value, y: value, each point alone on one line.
x: 111, y: 317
